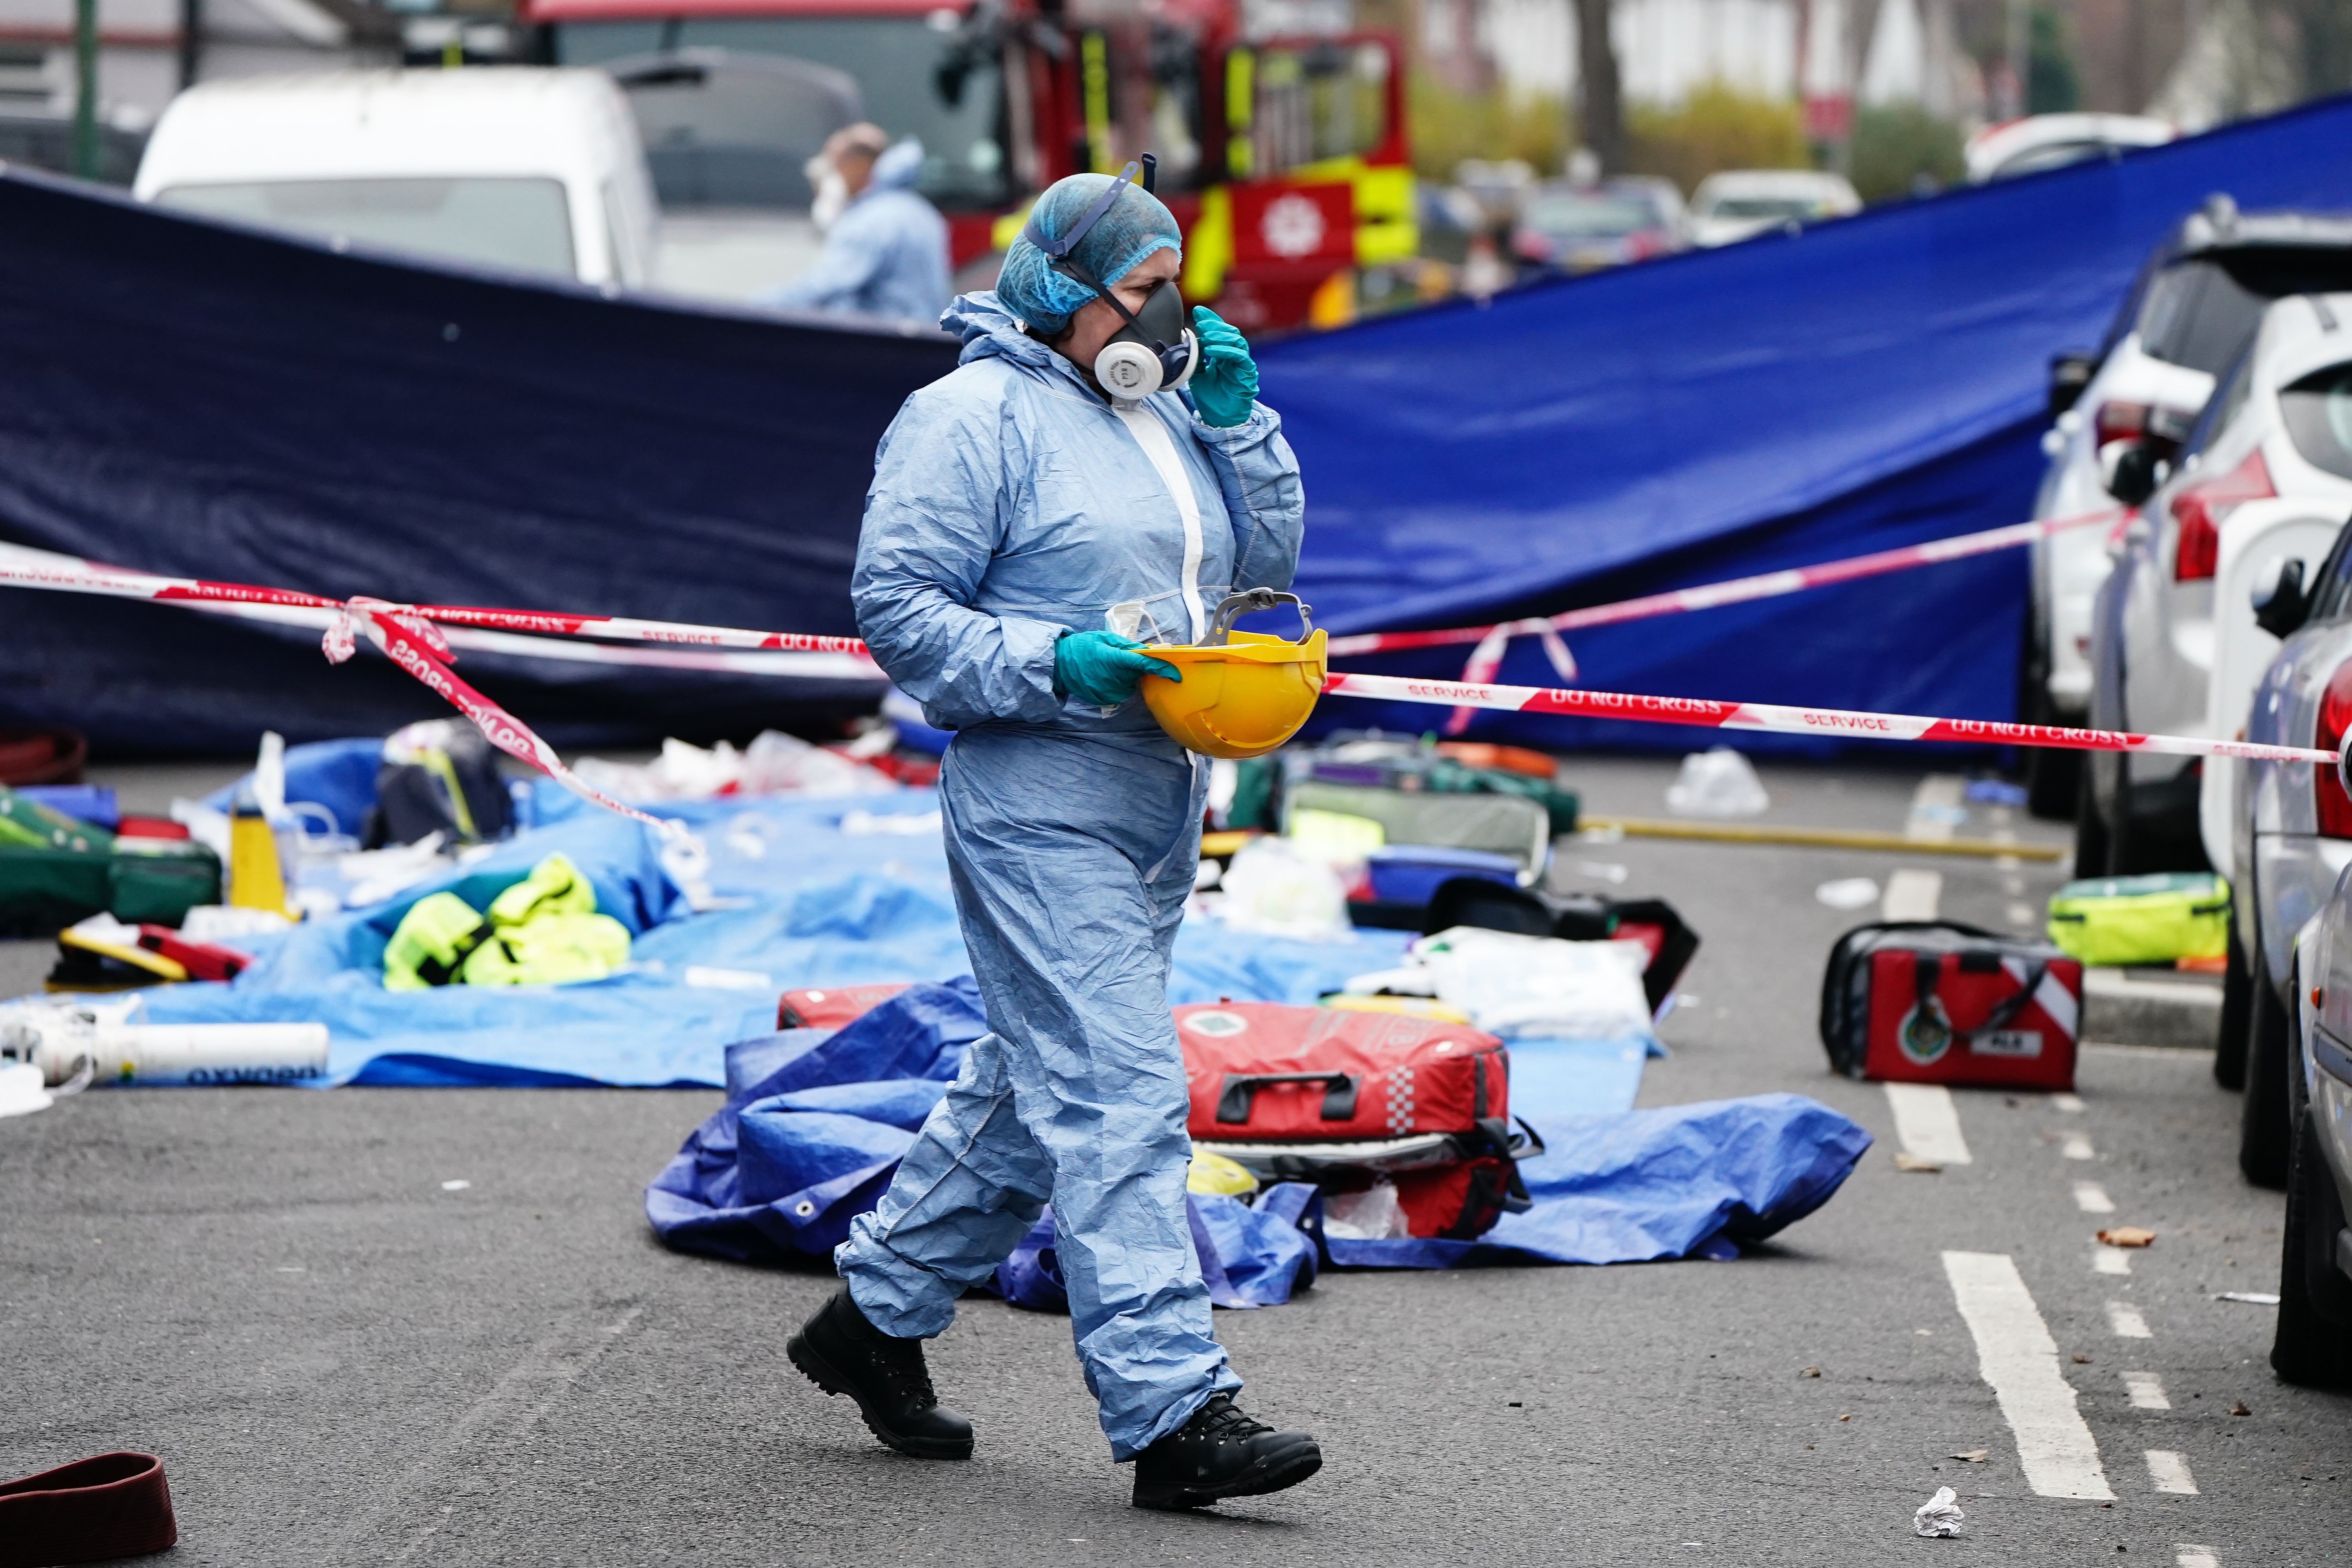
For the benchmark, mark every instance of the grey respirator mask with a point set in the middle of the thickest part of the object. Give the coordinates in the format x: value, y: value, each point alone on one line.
x: 1155, y: 352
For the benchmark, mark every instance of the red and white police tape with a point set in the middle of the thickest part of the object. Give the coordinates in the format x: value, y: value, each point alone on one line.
x: 1737, y: 590
x: 1711, y: 714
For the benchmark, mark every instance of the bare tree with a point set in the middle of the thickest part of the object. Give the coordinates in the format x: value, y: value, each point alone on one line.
x: 1600, y: 96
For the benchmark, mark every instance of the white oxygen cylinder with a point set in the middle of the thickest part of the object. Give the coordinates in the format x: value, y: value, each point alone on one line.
x: 64, y: 1043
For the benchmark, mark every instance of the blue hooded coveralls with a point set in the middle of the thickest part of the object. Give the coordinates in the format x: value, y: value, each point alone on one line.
x: 1011, y: 502
x: 886, y: 255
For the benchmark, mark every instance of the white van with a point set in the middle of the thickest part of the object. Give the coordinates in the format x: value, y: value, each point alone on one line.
x: 517, y: 168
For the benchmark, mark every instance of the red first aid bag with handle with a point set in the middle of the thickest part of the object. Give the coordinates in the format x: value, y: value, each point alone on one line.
x: 1346, y: 1099
x: 1940, y: 1002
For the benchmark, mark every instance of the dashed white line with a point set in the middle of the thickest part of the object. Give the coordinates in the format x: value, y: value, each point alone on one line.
x: 1927, y: 1122
x: 1912, y: 895
x: 2017, y: 1356
x: 1937, y: 809
x: 2092, y: 1198
x: 2124, y: 1321
x: 2146, y: 1391
x: 2184, y: 1556
x: 2110, y: 1261
x: 2077, y: 1147
x: 2169, y: 1471
x: 2070, y: 1103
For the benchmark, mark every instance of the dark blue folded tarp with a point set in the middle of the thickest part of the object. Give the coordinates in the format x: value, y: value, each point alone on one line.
x: 1868, y: 383
x: 815, y: 1123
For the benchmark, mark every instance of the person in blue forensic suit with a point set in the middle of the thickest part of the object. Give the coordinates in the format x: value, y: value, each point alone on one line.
x: 885, y: 248
x: 1021, y: 522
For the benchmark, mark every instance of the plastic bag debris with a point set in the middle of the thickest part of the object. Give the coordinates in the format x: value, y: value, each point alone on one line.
x: 1939, y: 1515
x: 1847, y: 893
x: 22, y: 1092
x: 1372, y: 1214
x: 1718, y: 783
x: 1526, y: 988
x: 773, y: 763
x: 1272, y: 889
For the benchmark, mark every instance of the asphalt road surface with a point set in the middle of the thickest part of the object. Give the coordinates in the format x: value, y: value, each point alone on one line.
x: 344, y: 1358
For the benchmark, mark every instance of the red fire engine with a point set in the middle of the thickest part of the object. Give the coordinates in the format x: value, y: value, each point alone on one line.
x: 1280, y: 130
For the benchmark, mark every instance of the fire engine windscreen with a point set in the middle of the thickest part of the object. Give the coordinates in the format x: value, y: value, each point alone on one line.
x: 1134, y: 226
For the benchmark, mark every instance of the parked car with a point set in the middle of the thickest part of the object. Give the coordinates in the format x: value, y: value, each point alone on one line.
x: 1739, y: 203
x: 2313, y: 1342
x: 521, y: 169
x: 2040, y: 142
x: 2121, y: 410
x: 2285, y: 828
x: 2158, y: 623
x: 1574, y: 227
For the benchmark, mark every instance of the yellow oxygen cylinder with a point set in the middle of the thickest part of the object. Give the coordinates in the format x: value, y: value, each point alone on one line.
x: 255, y: 880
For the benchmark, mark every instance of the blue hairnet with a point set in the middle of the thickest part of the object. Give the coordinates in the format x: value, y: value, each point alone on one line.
x: 1135, y: 225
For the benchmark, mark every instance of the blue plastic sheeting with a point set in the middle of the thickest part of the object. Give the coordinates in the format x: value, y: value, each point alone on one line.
x: 1873, y: 381
x: 822, y: 893
x: 816, y: 1121
x: 1649, y: 1184
x: 191, y: 397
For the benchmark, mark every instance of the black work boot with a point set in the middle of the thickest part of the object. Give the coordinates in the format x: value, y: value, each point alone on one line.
x: 841, y: 1352
x: 1221, y: 1453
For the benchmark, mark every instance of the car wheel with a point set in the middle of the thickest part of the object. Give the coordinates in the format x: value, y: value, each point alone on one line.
x: 2314, y: 1347
x: 2090, y: 831
x: 2264, y: 1129
x: 2238, y: 983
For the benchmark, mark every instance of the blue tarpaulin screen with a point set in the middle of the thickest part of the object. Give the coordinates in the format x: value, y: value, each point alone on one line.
x: 188, y: 397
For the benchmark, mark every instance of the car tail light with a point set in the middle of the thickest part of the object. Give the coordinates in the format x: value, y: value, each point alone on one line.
x: 2201, y: 508
x: 2119, y: 422
x: 2327, y: 782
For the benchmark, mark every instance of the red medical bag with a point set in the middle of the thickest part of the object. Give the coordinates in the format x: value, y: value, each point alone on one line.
x: 1345, y: 1098
x: 834, y: 1006
x: 1939, y: 1002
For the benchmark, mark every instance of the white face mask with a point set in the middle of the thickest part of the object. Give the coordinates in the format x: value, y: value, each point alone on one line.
x: 832, y: 192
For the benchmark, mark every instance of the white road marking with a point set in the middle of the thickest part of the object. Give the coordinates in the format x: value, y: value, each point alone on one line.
x: 2023, y: 915
x: 2186, y: 1556
x: 2169, y: 1471
x: 1911, y: 894
x: 2017, y: 1356
x: 2126, y: 1323
x: 2092, y: 1198
x: 2070, y: 1103
x: 2146, y: 1391
x: 1927, y: 1122
x: 2077, y: 1147
x: 2110, y: 1261
x: 1935, y: 811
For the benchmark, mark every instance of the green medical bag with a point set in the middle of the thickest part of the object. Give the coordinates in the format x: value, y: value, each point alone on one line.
x: 2142, y: 920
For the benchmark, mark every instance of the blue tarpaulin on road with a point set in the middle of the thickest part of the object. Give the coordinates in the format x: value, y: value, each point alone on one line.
x: 188, y: 397
x: 816, y: 1121
x: 816, y: 892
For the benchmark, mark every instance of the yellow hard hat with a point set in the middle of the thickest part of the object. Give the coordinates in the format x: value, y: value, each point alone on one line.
x: 1243, y: 693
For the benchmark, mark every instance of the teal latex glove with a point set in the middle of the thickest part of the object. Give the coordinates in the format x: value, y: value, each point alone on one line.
x: 1102, y: 668
x: 1225, y: 385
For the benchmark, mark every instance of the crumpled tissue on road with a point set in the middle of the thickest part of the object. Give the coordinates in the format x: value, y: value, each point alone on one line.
x: 1938, y: 1516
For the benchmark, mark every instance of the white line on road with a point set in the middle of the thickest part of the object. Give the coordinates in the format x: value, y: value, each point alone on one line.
x: 2017, y: 1356
x: 1912, y: 895
x: 1928, y: 1121
x: 2124, y: 1321
x: 2092, y: 1198
x: 2070, y: 1103
x: 1937, y: 809
x: 2146, y: 1391
x: 2169, y: 1471
x: 2110, y: 1261
x: 2185, y: 1556
x: 2078, y: 1147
